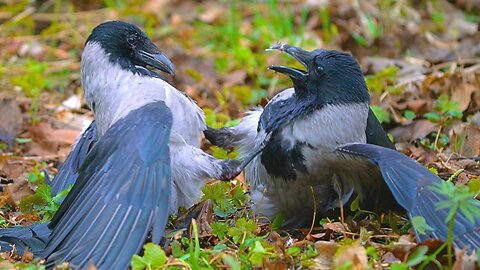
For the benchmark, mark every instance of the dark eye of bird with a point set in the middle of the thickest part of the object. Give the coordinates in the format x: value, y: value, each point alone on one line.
x: 319, y: 70
x: 132, y: 40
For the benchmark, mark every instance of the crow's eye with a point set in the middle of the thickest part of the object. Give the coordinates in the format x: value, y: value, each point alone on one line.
x: 319, y: 70
x: 132, y: 40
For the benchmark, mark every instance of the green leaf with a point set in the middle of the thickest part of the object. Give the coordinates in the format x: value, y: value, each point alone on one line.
x: 138, y: 263
x: 239, y: 196
x: 231, y: 262
x: 474, y: 185
x: 398, y: 266
x: 220, y: 229
x: 417, y: 256
x: 220, y: 195
x: 23, y: 140
x: 44, y: 191
x: 278, y: 221
x: 293, y: 251
x: 153, y: 258
x: 382, y: 115
x: 355, y: 205
x: 433, y: 117
x: 32, y: 177
x: 177, y: 251
x: 360, y: 39
x: 409, y: 115
x: 243, y: 229
x: 421, y: 225
x: 257, y: 254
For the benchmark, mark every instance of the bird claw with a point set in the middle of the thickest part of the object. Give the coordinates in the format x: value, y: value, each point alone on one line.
x: 233, y: 170
x: 228, y: 176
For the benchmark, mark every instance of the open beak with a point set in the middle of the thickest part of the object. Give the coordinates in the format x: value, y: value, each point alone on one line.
x: 152, y: 56
x: 299, y: 54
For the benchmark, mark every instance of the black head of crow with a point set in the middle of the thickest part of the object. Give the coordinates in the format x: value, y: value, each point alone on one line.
x: 131, y: 48
x: 332, y: 77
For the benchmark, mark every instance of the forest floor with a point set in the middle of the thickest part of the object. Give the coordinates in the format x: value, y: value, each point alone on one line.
x: 421, y: 61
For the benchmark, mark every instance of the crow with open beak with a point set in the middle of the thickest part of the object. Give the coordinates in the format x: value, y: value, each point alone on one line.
x: 321, y: 134
x: 137, y: 163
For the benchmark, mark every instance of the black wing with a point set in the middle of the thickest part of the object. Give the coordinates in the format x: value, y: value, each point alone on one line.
x: 68, y: 173
x: 409, y: 183
x: 34, y: 238
x: 122, y: 192
x: 375, y: 133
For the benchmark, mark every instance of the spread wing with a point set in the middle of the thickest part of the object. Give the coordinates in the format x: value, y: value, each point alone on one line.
x: 375, y: 133
x: 121, y: 194
x: 410, y: 184
x: 33, y: 238
x: 68, y: 173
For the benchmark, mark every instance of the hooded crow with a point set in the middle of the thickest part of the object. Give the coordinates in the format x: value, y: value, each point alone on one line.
x: 138, y: 162
x: 321, y: 134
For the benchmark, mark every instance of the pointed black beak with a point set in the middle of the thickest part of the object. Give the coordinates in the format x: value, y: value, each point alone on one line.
x: 292, y: 72
x: 152, y: 56
x: 302, y: 56
x: 299, y: 54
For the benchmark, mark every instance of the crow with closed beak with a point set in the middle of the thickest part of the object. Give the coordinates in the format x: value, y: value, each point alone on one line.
x: 138, y: 162
x: 321, y: 134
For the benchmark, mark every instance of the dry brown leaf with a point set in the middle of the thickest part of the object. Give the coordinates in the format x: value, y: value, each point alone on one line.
x: 334, y: 226
x: 389, y: 258
x: 277, y: 265
x: 205, y: 218
x: 10, y: 119
x: 416, y: 130
x: 355, y: 254
x: 235, y: 78
x: 18, y: 190
x: 27, y: 257
x: 212, y: 13
x: 326, y: 252
x: 469, y: 136
x: 418, y: 106
x: 464, y: 261
x: 463, y: 95
x: 46, y: 140
x: 202, y: 212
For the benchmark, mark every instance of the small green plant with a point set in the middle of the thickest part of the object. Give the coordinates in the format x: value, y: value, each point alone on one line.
x: 32, y: 82
x: 383, y: 80
x: 38, y: 175
x: 418, y: 256
x: 153, y: 258
x: 458, y: 198
x: 445, y: 111
x: 329, y: 30
x: 243, y: 229
x: 382, y: 115
x: 226, y: 197
x: 421, y: 225
x: 42, y: 202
